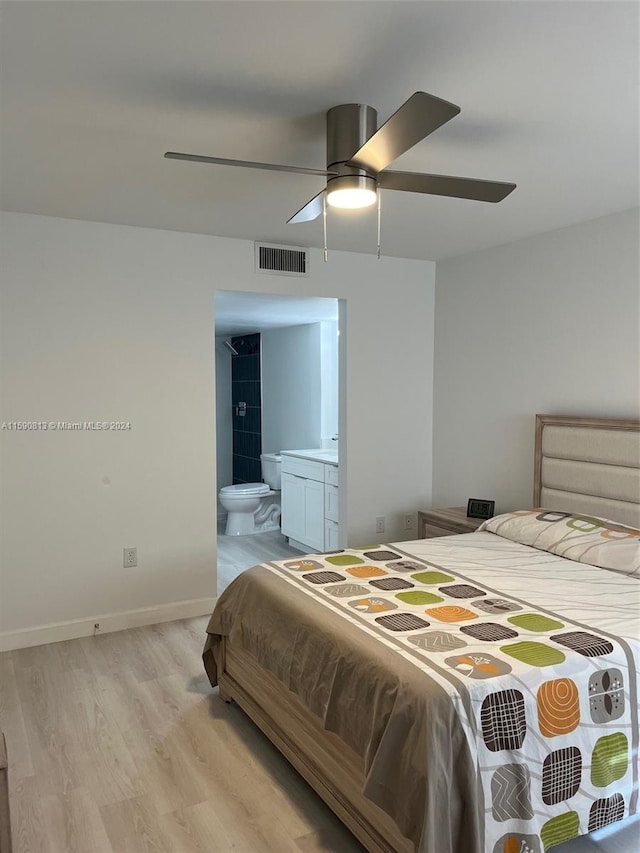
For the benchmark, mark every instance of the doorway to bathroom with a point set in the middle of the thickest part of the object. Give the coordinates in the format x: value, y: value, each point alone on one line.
x: 277, y: 396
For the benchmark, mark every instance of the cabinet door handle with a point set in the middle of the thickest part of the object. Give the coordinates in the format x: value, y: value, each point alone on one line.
x: 306, y: 479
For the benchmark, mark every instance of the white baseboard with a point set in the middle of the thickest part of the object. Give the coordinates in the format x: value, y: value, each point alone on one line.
x: 57, y: 631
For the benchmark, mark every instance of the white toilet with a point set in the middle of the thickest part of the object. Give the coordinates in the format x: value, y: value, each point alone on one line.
x: 254, y: 507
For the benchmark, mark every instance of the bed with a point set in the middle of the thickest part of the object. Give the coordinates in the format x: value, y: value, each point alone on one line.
x: 470, y: 694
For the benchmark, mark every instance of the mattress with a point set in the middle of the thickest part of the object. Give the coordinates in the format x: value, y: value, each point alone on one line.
x: 490, y: 687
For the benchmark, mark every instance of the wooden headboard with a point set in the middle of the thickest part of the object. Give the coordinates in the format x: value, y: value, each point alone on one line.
x: 588, y: 465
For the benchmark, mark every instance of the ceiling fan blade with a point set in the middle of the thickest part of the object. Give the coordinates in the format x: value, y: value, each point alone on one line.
x: 248, y: 164
x: 417, y: 117
x: 310, y: 211
x: 414, y: 182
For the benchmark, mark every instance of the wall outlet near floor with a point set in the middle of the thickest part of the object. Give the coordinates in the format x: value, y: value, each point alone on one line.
x: 380, y: 524
x: 408, y: 520
x: 129, y: 557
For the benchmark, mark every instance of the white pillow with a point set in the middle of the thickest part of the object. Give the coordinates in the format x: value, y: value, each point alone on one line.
x: 584, y: 538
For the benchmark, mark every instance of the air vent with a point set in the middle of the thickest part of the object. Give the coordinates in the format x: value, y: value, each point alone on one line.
x: 281, y: 260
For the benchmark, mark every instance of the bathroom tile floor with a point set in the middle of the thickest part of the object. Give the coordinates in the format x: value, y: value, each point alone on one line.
x: 237, y: 553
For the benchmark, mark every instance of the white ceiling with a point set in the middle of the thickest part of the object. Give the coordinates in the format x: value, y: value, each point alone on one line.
x: 238, y: 313
x: 93, y: 94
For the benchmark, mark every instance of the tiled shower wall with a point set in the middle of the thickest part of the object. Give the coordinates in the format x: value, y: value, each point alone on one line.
x: 247, y: 429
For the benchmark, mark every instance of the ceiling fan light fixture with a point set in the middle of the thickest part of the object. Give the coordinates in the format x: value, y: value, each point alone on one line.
x: 351, y: 198
x: 352, y: 192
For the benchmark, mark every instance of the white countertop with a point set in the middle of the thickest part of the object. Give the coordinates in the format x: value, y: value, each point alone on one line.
x: 317, y: 455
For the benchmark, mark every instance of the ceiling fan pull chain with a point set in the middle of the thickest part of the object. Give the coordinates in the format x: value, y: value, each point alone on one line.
x: 379, y: 210
x: 324, y: 225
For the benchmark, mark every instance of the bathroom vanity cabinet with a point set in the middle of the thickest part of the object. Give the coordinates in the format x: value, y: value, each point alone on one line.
x: 310, y: 500
x: 303, y: 510
x: 330, y: 507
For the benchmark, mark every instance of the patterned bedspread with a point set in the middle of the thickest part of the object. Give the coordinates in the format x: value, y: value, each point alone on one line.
x: 547, y: 699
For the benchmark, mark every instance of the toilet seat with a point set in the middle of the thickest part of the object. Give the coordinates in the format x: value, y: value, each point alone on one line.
x: 245, y: 490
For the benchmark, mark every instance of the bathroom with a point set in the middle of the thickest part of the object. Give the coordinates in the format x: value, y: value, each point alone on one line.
x: 276, y: 369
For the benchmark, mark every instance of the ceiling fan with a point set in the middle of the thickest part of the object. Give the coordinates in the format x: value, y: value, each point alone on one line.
x: 358, y: 153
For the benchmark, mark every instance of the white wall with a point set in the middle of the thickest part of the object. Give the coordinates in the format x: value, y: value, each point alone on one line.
x: 224, y: 417
x: 549, y: 325
x: 106, y: 322
x: 329, y: 378
x: 291, y: 388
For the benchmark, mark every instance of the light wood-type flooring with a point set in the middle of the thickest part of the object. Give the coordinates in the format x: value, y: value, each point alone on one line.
x: 117, y: 744
x: 237, y: 553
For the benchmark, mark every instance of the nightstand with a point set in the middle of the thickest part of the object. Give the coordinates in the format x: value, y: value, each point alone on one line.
x: 446, y: 521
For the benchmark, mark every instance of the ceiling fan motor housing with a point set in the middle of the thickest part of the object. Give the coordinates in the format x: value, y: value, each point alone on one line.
x: 349, y: 126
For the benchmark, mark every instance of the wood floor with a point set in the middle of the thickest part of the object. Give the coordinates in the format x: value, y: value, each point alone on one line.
x: 117, y: 744
x: 237, y: 553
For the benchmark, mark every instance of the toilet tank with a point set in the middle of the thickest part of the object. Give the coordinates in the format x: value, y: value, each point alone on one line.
x: 271, y: 465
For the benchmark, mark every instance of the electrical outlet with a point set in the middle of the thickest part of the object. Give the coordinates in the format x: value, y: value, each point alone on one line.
x: 408, y: 521
x: 129, y: 558
x: 380, y: 524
